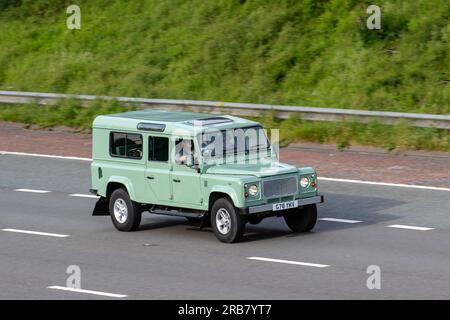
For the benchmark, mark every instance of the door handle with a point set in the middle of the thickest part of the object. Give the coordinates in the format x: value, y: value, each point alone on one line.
x: 176, y: 180
x: 150, y: 177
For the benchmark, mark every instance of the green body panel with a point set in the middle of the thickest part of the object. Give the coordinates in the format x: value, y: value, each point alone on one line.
x: 229, y: 185
x: 176, y: 185
x: 259, y: 170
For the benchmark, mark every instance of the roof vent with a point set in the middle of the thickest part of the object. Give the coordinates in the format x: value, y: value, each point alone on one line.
x: 148, y: 126
x: 209, y: 121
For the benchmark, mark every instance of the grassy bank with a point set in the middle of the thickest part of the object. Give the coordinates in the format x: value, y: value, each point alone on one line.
x: 316, y: 53
x: 343, y: 134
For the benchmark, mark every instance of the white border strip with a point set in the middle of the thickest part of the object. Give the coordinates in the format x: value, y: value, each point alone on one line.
x: 43, y: 155
x: 385, y: 184
x: 401, y: 226
x: 340, y: 220
x: 37, y: 233
x: 98, y: 293
x: 307, y: 264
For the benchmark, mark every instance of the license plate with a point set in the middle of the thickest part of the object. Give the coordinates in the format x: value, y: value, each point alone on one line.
x: 285, y: 205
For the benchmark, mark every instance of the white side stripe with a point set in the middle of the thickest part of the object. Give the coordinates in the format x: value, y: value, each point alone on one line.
x: 340, y: 220
x: 37, y: 233
x: 385, y: 184
x: 99, y: 293
x: 32, y: 190
x: 307, y: 264
x: 400, y: 226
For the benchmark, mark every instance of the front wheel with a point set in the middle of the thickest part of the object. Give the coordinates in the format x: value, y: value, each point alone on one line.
x: 227, y: 223
x: 125, y: 213
x: 302, y: 220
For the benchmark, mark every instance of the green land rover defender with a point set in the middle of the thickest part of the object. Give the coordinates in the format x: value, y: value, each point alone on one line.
x: 219, y: 170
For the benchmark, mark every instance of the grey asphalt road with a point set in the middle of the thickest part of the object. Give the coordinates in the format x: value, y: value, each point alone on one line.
x: 169, y: 258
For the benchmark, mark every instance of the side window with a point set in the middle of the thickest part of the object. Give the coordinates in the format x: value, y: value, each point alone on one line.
x: 158, y: 149
x: 126, y: 145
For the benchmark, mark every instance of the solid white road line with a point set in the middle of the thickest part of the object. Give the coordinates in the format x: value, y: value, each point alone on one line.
x: 83, y: 195
x: 412, y: 186
x: 99, y: 293
x: 340, y: 220
x: 37, y: 233
x: 32, y: 190
x: 44, y: 156
x: 320, y: 178
x: 400, y: 226
x: 307, y: 264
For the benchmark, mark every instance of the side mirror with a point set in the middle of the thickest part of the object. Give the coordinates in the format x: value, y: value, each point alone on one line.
x: 190, y: 160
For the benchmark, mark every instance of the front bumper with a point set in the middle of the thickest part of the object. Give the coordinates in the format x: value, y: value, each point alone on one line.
x: 269, y: 207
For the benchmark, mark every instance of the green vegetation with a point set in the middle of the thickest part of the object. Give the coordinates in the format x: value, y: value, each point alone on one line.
x: 67, y: 113
x: 311, y: 52
x: 344, y: 134
x: 70, y: 113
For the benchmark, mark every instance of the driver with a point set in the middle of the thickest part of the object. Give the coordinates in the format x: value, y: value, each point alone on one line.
x: 184, y: 148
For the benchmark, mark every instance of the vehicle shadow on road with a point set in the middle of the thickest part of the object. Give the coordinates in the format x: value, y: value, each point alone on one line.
x: 151, y: 222
x: 368, y: 210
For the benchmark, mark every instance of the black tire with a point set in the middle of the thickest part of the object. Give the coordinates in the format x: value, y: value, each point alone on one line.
x: 302, y: 220
x: 237, y: 222
x: 134, y: 211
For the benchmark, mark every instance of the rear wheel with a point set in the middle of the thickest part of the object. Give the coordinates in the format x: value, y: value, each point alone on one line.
x: 125, y: 213
x: 302, y: 220
x: 227, y: 223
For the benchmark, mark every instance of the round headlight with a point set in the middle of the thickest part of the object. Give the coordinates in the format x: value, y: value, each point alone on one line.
x: 304, y: 182
x: 253, y: 190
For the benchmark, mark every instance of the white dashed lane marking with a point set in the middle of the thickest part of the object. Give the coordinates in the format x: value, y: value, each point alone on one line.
x: 38, y: 233
x: 306, y: 264
x: 340, y: 220
x: 400, y: 226
x: 32, y: 190
x: 98, y: 293
x: 80, y: 195
x: 328, y: 219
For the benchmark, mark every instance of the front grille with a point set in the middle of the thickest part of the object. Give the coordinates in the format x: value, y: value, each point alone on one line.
x: 280, y: 187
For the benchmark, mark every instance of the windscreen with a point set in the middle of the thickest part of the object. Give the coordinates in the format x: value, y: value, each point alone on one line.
x: 218, y: 145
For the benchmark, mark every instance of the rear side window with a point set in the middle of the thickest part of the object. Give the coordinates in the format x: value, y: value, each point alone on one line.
x: 126, y: 145
x: 158, y: 149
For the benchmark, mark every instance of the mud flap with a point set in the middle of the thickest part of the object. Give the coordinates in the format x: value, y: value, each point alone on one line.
x: 101, y: 207
x: 206, y: 221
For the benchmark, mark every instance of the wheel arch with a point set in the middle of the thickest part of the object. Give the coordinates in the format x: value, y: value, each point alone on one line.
x: 102, y: 205
x: 215, y: 195
x: 115, y: 183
